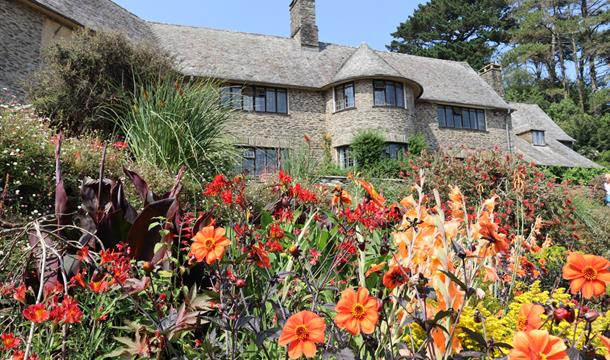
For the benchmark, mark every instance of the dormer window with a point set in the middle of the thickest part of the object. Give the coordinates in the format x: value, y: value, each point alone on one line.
x: 538, y: 138
x: 345, y: 97
x: 389, y: 93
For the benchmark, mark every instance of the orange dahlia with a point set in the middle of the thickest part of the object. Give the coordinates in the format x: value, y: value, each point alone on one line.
x: 529, y: 317
x: 537, y: 345
x: 587, y: 273
x: 209, y: 244
x: 301, y: 333
x: 357, y: 312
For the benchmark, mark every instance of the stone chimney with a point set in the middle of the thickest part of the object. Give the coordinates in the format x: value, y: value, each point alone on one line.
x: 492, y: 74
x: 303, y: 26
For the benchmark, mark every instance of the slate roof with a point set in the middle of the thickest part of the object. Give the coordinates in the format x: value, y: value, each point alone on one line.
x: 100, y: 15
x: 527, y: 117
x: 245, y: 57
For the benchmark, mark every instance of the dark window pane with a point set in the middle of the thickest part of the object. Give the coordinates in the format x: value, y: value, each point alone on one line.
x: 378, y: 84
x: 339, y: 98
x: 441, y: 116
x: 380, y: 97
x: 259, y: 99
x: 349, y: 96
x: 466, y: 119
x: 248, y: 99
x: 449, y: 116
x: 481, y: 119
x: 271, y: 100
x: 282, y: 101
x: 400, y: 96
x: 390, y: 94
x: 272, y: 160
x: 457, y: 118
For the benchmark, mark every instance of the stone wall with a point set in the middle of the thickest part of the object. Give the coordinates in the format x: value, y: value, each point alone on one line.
x: 446, y: 139
x: 305, y: 117
x: 20, y: 44
x: 396, y: 124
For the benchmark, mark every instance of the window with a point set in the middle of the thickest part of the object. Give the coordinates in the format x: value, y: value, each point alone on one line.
x: 389, y: 93
x: 538, y: 138
x: 395, y: 150
x: 345, y: 157
x: 345, y: 97
x: 257, y: 161
x: 461, y: 118
x: 255, y: 98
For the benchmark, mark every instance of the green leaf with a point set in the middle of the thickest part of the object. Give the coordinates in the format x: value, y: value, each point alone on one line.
x: 165, y: 274
x: 266, y: 219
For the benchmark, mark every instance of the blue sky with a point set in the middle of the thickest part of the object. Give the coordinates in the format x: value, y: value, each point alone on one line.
x: 345, y: 22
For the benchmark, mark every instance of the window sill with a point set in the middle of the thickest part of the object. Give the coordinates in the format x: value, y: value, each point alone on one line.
x: 260, y: 112
x: 540, y: 145
x: 390, y: 107
x: 462, y: 129
x: 346, y: 109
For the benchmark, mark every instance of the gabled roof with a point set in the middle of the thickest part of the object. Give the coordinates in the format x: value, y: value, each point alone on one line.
x: 363, y: 63
x: 99, y: 15
x: 527, y: 117
x: 245, y: 57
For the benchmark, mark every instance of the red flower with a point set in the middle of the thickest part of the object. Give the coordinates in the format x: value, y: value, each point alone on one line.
x: 36, y: 313
x: 20, y: 293
x: 71, y: 312
x: 259, y: 256
x: 98, y: 286
x: 276, y: 232
x: 9, y: 341
x: 284, y: 178
x: 121, y: 145
x: 315, y: 255
x: 227, y: 197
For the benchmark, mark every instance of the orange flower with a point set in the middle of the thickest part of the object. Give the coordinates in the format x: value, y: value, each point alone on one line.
x: 36, y: 313
x: 209, y: 244
x: 259, y: 255
x: 537, y: 345
x: 340, y: 196
x: 301, y: 333
x: 587, y: 273
x: 605, y: 341
x: 396, y: 276
x: 374, y: 269
x: 529, y: 317
x: 357, y: 312
x: 489, y: 231
x: 370, y: 190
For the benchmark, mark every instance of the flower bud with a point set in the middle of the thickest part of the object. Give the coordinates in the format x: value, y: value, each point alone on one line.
x: 563, y: 313
x: 240, y: 283
x: 148, y: 267
x: 294, y: 251
x: 591, y: 316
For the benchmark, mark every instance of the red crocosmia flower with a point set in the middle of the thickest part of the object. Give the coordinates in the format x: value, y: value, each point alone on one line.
x: 36, y: 313
x: 274, y: 246
x: 259, y: 256
x: 227, y: 197
x: 276, y: 232
x: 315, y: 255
x: 396, y: 276
x: 216, y: 186
x: 78, y: 279
x: 20, y: 293
x: 357, y: 312
x: 284, y: 178
x: 108, y: 256
x: 98, y: 286
x: 587, y: 273
x: 9, y: 341
x: 83, y: 254
x: 121, y: 145
x: 301, y: 333
x: 71, y: 312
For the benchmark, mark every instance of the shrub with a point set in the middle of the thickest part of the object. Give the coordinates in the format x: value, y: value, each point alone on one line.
x: 89, y: 72
x: 367, y: 148
x: 301, y: 162
x: 172, y: 122
x: 417, y: 144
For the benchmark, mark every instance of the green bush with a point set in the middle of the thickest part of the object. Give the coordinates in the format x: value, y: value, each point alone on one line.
x: 578, y: 176
x: 173, y: 122
x: 89, y: 72
x: 368, y: 148
x: 417, y: 144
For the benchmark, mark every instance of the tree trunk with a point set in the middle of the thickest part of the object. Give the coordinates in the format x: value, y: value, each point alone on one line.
x: 588, y: 41
x: 578, y: 67
x: 564, y: 76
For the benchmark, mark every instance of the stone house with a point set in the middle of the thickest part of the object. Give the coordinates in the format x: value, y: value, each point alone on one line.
x: 286, y: 88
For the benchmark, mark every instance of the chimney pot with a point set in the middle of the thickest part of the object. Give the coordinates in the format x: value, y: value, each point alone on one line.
x: 492, y: 74
x: 303, y: 26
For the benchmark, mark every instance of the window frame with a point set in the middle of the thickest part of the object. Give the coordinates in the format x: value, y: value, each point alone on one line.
x: 344, y: 158
x: 461, y: 118
x: 280, y: 154
x: 401, y: 149
x: 542, y: 136
x: 342, y: 88
x: 397, y: 99
x: 252, y: 102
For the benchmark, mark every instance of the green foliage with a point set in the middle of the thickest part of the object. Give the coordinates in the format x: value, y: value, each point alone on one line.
x: 458, y: 30
x: 174, y: 122
x: 367, y: 148
x: 594, y: 219
x: 301, y: 162
x: 578, y: 176
x: 89, y: 72
x: 417, y: 144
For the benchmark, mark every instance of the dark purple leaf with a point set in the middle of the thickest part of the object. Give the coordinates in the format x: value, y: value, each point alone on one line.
x: 142, y: 240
